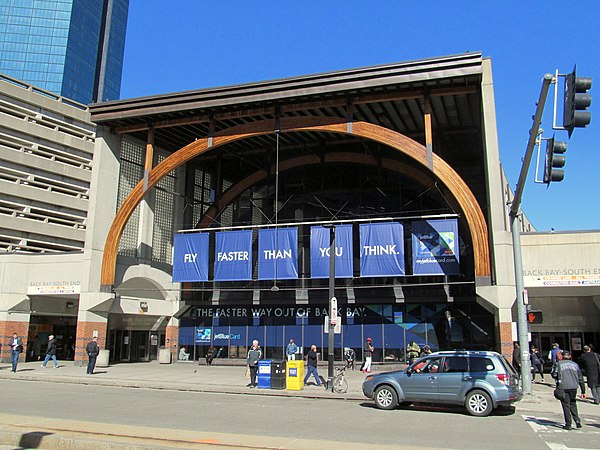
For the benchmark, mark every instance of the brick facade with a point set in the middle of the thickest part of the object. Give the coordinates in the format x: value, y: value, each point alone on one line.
x: 172, y: 340
x: 85, y: 332
x: 7, y: 328
x: 505, y: 339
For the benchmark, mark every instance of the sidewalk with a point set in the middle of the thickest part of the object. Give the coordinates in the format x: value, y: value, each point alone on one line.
x: 189, y: 376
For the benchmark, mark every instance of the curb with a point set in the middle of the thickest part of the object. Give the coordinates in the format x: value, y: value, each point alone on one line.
x: 220, y: 389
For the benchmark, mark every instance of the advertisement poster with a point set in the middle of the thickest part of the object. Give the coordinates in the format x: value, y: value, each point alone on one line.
x: 278, y: 254
x: 319, y: 251
x: 435, y: 247
x: 190, y: 257
x: 233, y: 255
x: 203, y: 334
x: 381, y: 250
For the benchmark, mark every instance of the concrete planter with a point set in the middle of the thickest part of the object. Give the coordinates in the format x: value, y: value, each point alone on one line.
x: 103, y: 358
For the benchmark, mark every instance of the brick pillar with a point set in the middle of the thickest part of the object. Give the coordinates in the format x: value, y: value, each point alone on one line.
x: 85, y: 332
x: 172, y: 340
x: 505, y: 339
x: 7, y: 328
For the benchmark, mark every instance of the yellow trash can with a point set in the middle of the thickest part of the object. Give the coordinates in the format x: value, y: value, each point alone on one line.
x: 294, y: 375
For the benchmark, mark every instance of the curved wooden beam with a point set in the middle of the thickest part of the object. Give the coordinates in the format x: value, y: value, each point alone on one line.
x: 441, y: 169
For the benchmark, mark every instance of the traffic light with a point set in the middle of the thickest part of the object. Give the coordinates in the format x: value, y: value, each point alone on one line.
x: 577, y: 101
x: 535, y: 317
x: 555, y: 160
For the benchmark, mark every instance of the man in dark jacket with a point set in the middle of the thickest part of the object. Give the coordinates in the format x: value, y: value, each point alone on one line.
x: 92, y: 351
x: 569, y: 378
x: 16, y: 347
x: 51, y: 352
x: 254, y: 355
x: 516, y: 357
x: 311, y: 365
x: 590, y: 362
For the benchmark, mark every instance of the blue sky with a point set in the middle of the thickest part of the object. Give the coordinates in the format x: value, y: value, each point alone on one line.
x: 188, y: 44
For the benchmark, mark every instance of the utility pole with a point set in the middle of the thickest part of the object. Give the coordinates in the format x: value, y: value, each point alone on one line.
x: 332, y: 300
x: 522, y: 325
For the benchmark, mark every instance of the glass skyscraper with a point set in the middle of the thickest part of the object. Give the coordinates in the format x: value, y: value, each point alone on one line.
x: 73, y: 48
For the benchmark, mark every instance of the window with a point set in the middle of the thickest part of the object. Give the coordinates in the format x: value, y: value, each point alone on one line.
x: 481, y: 364
x: 431, y: 366
x: 455, y: 364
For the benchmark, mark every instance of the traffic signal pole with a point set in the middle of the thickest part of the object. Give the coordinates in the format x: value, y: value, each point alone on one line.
x: 522, y: 325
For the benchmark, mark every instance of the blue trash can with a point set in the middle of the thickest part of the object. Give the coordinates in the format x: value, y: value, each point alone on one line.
x: 264, y: 374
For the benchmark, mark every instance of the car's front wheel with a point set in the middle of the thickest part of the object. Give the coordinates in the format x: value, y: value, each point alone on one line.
x: 478, y: 403
x: 386, y: 397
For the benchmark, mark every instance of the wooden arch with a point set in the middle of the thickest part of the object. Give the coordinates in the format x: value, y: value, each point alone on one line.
x: 440, y: 169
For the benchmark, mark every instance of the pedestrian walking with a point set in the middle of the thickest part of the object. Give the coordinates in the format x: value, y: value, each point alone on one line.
x: 51, y: 352
x: 254, y: 355
x: 350, y: 356
x: 291, y: 350
x: 368, y: 354
x: 568, y: 379
x: 554, y: 356
x: 16, y: 347
x: 210, y: 355
x: 93, y: 350
x: 516, y: 357
x: 590, y: 362
x: 311, y: 365
x: 412, y: 351
x: 537, y: 363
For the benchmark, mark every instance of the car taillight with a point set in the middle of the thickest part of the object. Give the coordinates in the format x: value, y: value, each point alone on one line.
x: 504, y: 377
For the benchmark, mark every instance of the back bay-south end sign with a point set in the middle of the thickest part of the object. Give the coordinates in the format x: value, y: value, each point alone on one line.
x: 382, y: 253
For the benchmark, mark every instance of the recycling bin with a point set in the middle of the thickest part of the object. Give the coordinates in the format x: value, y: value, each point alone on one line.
x: 277, y: 374
x: 294, y: 375
x: 264, y: 374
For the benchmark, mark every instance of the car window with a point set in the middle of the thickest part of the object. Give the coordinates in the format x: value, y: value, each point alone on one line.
x: 481, y: 364
x: 433, y: 366
x: 455, y: 364
x: 507, y: 366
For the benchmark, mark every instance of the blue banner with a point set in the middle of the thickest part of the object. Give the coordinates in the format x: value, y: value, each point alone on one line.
x: 190, y: 257
x: 278, y: 254
x: 233, y: 255
x: 435, y: 247
x: 381, y: 250
x: 319, y: 252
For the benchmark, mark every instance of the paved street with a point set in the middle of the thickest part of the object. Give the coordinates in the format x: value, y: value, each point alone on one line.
x: 190, y: 405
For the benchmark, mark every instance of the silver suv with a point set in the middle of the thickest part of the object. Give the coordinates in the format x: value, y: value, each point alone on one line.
x: 481, y: 381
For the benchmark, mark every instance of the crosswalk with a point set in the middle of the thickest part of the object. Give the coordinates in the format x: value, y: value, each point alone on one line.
x: 550, y: 431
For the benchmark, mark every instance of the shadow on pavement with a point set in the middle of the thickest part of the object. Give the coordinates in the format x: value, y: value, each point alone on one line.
x: 32, y: 439
x: 544, y: 422
x: 501, y: 411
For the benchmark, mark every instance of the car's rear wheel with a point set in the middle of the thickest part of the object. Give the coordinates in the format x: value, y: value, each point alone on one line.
x: 478, y: 403
x: 386, y: 397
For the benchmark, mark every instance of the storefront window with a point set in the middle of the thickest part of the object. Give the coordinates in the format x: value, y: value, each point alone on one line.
x: 391, y: 327
x: 238, y: 348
